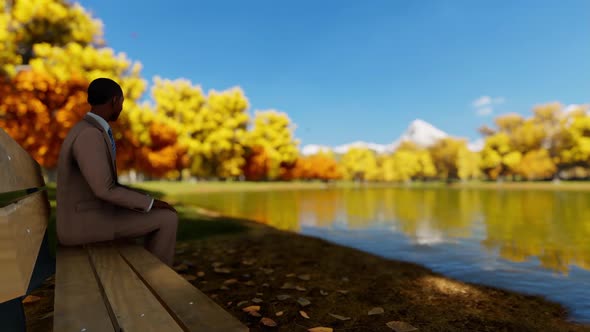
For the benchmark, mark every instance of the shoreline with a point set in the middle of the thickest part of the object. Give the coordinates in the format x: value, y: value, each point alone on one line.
x: 180, y: 188
x: 274, y: 269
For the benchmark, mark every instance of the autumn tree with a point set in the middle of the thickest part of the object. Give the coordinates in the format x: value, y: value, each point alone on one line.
x: 38, y: 110
x: 320, y: 166
x: 359, y: 164
x: 27, y: 23
x: 272, y: 132
x: 217, y: 147
x: 408, y: 162
x: 446, y: 155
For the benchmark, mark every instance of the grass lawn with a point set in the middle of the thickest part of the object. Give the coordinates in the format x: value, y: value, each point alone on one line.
x: 166, y: 188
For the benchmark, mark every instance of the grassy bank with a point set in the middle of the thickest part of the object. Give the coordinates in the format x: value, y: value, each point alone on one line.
x: 179, y: 188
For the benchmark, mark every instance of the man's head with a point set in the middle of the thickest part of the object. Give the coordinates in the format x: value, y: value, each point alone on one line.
x: 106, y: 97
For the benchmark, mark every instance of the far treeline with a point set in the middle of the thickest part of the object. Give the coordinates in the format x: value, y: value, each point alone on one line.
x: 51, y: 49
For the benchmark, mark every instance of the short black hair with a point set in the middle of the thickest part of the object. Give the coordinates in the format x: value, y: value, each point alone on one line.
x: 101, y: 90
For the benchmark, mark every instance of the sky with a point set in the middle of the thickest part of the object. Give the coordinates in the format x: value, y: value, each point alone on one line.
x: 363, y: 70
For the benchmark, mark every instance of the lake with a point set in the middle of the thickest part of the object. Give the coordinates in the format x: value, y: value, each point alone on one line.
x: 531, y: 241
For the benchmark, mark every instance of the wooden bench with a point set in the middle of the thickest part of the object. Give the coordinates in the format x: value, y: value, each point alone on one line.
x: 99, y: 287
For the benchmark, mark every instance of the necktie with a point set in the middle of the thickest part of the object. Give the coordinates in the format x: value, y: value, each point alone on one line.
x: 112, y: 143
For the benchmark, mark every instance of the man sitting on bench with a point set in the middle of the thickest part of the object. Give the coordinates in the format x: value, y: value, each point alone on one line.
x: 91, y: 204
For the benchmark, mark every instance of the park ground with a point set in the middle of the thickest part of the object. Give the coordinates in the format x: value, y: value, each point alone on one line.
x: 240, y: 263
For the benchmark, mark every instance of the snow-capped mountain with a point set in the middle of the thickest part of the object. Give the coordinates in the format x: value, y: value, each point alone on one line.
x: 419, y: 132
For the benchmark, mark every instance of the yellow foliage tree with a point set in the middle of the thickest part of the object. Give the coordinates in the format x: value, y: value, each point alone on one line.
x: 359, y: 164
x: 446, y: 154
x: 536, y: 165
x: 273, y: 132
x: 408, y: 162
x: 217, y: 148
x: 26, y: 23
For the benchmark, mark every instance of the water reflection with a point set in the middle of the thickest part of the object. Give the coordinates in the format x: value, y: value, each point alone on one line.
x: 548, y: 227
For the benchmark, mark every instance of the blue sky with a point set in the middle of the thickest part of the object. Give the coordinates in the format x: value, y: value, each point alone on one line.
x: 363, y: 70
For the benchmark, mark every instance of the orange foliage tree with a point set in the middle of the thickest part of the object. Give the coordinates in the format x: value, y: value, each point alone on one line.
x: 165, y: 155
x: 257, y: 164
x: 315, y: 167
x: 38, y: 111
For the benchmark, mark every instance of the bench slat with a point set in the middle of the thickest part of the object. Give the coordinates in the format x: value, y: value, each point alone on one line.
x: 178, y: 294
x: 135, y: 307
x: 78, y: 301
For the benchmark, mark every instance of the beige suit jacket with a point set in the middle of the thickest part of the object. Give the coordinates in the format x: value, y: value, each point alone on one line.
x: 88, y: 191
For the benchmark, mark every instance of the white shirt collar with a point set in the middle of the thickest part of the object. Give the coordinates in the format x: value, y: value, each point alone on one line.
x: 100, y: 120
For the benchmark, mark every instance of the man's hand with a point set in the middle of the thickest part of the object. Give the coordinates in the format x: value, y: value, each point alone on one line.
x: 158, y: 204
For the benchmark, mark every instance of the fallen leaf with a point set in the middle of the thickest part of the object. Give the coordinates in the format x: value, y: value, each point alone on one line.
x: 279, y: 314
x: 231, y: 251
x: 189, y: 277
x: 283, y: 297
x: 340, y: 317
x: 345, y: 279
x: 200, y: 274
x: 341, y: 291
x: 268, y: 322
x: 301, y: 289
x: 251, y: 308
x: 180, y: 268
x: 290, y: 275
x: 250, y: 283
x: 398, y: 326
x: 31, y: 299
x: 321, y: 329
x: 376, y: 311
x: 303, y: 302
x: 257, y: 300
x: 224, y: 287
x: 305, y: 277
x: 265, y: 285
x: 230, y: 281
x: 288, y: 285
x: 248, y: 261
x: 267, y: 271
x: 304, y: 314
x: 188, y: 263
x: 222, y: 270
x: 229, y: 303
x: 323, y: 292
x: 259, y: 294
x: 241, y: 303
x: 217, y: 264
x: 255, y: 314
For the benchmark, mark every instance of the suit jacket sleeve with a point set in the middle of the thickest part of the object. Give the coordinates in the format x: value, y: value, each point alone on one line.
x: 91, y: 153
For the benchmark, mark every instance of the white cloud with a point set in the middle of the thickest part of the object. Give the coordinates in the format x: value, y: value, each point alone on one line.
x: 484, y: 105
x: 482, y: 101
x: 485, y: 111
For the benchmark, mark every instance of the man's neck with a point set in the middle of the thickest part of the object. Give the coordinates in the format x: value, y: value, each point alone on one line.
x: 100, y: 113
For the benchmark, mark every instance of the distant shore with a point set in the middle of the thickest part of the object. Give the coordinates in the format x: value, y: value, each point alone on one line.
x: 178, y: 188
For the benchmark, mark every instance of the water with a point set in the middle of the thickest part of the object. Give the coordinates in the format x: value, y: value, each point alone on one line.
x: 535, y: 242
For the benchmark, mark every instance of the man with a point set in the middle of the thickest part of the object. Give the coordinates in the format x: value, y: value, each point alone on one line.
x: 91, y: 204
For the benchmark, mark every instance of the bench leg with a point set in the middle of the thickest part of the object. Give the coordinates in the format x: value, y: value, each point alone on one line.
x: 12, y: 316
